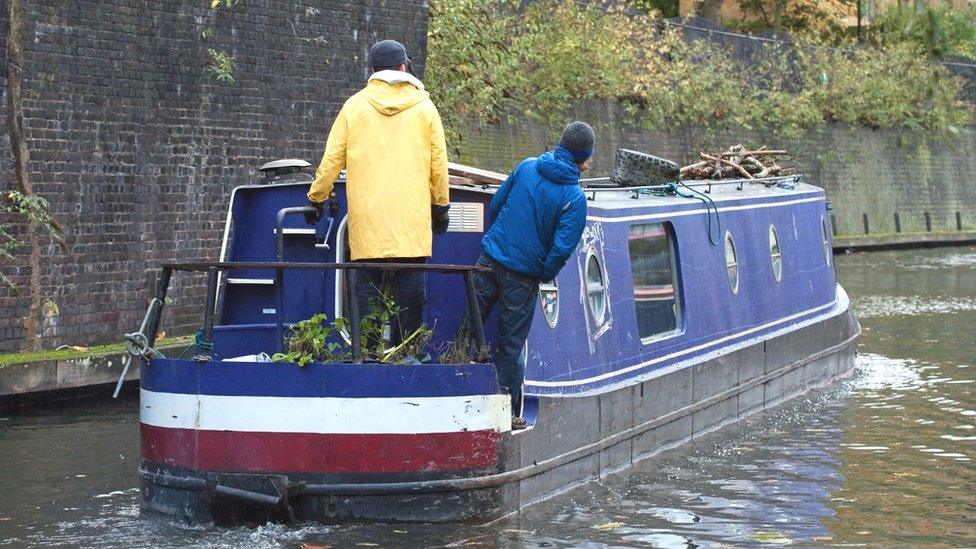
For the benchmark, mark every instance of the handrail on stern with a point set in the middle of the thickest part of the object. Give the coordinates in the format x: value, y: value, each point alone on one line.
x: 211, y: 268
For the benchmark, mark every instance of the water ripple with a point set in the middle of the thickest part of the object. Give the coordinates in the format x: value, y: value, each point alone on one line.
x: 871, y: 306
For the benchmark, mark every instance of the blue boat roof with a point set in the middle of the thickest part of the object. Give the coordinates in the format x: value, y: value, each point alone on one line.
x: 621, y: 201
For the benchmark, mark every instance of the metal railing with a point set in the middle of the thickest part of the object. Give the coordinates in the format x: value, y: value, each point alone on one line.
x: 141, y: 343
x: 212, y: 268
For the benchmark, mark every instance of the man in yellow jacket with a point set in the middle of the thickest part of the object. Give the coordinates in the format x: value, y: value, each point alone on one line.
x: 390, y: 140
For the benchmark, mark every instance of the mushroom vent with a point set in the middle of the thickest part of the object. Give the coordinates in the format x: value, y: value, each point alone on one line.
x: 288, y: 170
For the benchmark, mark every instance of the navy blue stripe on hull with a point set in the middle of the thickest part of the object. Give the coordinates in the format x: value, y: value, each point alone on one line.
x: 319, y: 380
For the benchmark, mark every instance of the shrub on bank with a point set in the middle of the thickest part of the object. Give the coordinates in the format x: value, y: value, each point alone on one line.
x: 936, y: 30
x: 492, y: 61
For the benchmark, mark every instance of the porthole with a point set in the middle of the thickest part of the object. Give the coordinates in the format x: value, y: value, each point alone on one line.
x: 775, y: 256
x: 549, y: 297
x: 596, y: 291
x: 825, y: 236
x: 731, y: 263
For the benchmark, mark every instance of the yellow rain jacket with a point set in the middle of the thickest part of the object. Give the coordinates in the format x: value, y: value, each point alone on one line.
x: 390, y: 140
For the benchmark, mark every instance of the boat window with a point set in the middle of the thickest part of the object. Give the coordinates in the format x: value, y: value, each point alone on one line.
x: 549, y: 296
x: 596, y: 291
x: 774, y: 254
x: 825, y: 236
x: 731, y: 263
x: 655, y: 282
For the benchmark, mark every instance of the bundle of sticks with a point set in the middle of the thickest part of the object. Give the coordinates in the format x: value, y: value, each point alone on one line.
x: 739, y: 162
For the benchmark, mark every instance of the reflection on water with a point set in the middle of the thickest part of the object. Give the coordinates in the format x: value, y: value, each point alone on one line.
x: 883, y: 457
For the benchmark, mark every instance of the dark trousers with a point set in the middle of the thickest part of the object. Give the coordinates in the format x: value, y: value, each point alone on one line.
x: 515, y: 294
x: 410, y: 295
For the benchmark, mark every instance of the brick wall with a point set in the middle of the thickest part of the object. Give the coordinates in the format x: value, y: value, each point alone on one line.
x: 865, y: 171
x: 137, y: 147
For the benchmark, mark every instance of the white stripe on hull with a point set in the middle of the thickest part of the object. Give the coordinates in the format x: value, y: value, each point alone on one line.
x: 393, y: 415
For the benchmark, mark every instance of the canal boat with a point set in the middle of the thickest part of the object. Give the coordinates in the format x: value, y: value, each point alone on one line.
x: 685, y: 307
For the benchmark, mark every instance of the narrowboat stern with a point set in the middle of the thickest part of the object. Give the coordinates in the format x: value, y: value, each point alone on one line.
x: 681, y: 312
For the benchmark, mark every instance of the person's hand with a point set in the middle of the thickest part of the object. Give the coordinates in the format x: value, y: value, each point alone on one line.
x: 439, y: 218
x: 312, y: 217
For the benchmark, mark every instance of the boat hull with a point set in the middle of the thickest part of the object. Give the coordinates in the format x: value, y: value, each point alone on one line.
x: 574, y: 439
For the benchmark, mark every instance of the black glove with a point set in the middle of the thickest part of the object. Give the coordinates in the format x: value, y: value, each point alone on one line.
x: 439, y: 218
x: 312, y: 217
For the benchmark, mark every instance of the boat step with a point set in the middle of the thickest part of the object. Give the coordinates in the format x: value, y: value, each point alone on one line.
x: 296, y: 230
x: 262, y: 281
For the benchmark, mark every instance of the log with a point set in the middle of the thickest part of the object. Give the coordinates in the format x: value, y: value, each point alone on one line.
x: 763, y: 170
x: 729, y: 163
x: 477, y: 175
x: 760, y: 152
x: 464, y: 181
x: 691, y: 167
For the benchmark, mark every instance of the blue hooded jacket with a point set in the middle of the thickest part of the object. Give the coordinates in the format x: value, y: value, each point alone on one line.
x: 538, y: 215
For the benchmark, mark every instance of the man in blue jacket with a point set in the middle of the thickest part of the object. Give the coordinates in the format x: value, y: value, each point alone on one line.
x: 538, y: 217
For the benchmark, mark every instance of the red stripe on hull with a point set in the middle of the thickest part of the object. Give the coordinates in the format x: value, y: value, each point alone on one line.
x: 249, y: 452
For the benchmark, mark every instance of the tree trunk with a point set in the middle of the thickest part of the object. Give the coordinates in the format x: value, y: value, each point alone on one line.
x: 15, y: 107
x: 710, y: 9
x: 779, y: 8
x: 17, y: 18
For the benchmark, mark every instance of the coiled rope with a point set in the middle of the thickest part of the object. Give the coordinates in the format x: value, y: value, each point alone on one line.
x: 675, y: 187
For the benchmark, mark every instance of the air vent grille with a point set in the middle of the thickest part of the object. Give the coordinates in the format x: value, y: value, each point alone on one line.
x: 467, y: 217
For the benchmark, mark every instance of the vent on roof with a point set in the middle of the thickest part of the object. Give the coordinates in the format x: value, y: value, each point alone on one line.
x: 288, y: 170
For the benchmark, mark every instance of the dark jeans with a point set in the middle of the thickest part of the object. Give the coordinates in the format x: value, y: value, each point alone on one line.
x: 515, y: 294
x: 410, y: 295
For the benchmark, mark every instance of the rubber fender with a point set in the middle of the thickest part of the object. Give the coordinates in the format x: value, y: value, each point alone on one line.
x: 637, y: 169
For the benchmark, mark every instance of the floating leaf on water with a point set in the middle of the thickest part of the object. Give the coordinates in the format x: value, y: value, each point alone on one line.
x: 771, y: 537
x: 608, y: 526
x: 399, y: 531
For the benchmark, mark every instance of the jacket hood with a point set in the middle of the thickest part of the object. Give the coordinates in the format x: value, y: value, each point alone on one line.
x: 391, y: 92
x: 558, y: 166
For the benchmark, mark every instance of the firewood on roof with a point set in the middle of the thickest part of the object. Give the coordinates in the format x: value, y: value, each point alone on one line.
x: 740, y: 162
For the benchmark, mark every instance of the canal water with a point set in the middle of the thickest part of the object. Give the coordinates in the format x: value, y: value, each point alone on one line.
x: 884, y: 457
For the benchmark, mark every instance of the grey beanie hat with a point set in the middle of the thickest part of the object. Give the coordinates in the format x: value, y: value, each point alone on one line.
x: 387, y: 54
x: 578, y: 138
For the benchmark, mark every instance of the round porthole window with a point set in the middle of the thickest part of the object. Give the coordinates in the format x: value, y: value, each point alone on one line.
x: 775, y: 256
x: 731, y: 263
x: 549, y: 296
x: 596, y: 290
x: 825, y: 236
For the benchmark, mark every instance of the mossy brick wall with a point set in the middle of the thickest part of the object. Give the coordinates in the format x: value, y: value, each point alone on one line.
x: 865, y: 171
x: 137, y: 147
